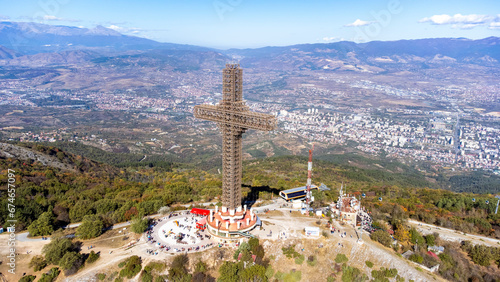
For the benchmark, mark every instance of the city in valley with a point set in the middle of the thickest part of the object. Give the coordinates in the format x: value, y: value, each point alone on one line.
x: 451, y: 124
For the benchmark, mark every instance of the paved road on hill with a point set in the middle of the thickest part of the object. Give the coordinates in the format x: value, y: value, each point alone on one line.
x: 23, y: 237
x: 453, y: 235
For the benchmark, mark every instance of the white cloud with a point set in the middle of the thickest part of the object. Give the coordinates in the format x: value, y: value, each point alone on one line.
x: 54, y: 18
x: 465, y: 26
x: 459, y: 20
x: 51, y: 18
x: 115, y: 27
x: 120, y: 29
x: 333, y: 39
x: 358, y: 22
x: 494, y: 25
x: 4, y: 18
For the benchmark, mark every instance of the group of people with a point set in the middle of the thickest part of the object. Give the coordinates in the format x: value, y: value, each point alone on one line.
x: 149, y: 231
x: 152, y: 252
x: 366, y: 222
x: 181, y: 232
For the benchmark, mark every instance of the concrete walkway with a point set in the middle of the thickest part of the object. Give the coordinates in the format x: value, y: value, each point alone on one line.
x: 160, y: 239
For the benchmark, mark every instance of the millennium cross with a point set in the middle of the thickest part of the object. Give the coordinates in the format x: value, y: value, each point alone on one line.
x: 233, y: 118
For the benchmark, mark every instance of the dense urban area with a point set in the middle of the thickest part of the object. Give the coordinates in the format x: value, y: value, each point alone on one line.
x: 454, y: 137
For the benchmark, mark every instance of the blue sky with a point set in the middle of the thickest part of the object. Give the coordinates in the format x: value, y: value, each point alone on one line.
x: 257, y: 23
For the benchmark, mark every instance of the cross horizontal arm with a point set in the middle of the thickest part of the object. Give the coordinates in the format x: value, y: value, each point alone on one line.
x: 242, y: 118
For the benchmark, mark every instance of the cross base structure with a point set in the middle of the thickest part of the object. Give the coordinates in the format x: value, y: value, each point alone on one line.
x: 226, y: 225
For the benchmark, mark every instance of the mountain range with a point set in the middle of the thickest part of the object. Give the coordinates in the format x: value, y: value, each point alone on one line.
x: 30, y: 38
x: 34, y: 44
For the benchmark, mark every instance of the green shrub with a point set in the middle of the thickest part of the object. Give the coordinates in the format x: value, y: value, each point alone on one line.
x: 199, y: 267
x: 341, y: 258
x: 382, y: 237
x: 369, y: 263
x: 147, y: 273
x: 132, y: 267
x: 43, y: 225
x: 139, y: 225
x: 290, y: 252
x: 383, y: 273
x: 312, y: 261
x: 93, y: 256
x: 112, y: 275
x: 161, y: 278
x: 71, y: 262
x: 38, y: 263
x: 91, y: 227
x: 27, y: 278
x: 101, y: 276
x: 392, y: 272
x: 481, y: 254
x: 269, y: 272
x: 416, y: 258
x: 430, y: 240
x: 146, y: 276
x: 293, y: 276
x: 350, y: 274
x: 57, y: 248
x: 279, y: 275
x: 299, y: 259
x: 50, y: 276
x: 178, y: 269
x: 379, y: 275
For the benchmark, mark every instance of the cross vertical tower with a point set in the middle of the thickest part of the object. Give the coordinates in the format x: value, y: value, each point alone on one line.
x: 233, y: 118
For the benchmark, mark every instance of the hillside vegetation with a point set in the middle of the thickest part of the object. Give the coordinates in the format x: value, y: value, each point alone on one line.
x: 120, y: 194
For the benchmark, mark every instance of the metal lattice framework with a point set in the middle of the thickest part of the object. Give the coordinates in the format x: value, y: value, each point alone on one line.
x: 233, y: 118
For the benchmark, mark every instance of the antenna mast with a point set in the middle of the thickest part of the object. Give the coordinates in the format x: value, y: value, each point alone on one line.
x: 309, y: 176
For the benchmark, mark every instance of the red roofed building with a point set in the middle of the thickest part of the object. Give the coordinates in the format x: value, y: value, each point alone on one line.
x: 202, y: 224
x: 430, y: 253
x: 198, y: 211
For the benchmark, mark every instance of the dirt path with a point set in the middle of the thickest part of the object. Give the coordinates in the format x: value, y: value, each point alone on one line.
x: 382, y: 256
x: 109, y: 261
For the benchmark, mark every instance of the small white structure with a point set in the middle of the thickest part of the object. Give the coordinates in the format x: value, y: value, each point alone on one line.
x: 296, y: 204
x: 312, y: 231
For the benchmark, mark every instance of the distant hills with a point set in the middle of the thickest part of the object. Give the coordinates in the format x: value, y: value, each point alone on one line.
x: 6, y: 53
x: 33, y: 44
x: 31, y: 38
x: 374, y: 56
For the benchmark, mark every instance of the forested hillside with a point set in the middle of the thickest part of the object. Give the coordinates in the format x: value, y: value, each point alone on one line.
x: 118, y: 194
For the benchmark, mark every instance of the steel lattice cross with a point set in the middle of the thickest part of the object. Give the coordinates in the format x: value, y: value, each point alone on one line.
x: 233, y: 118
